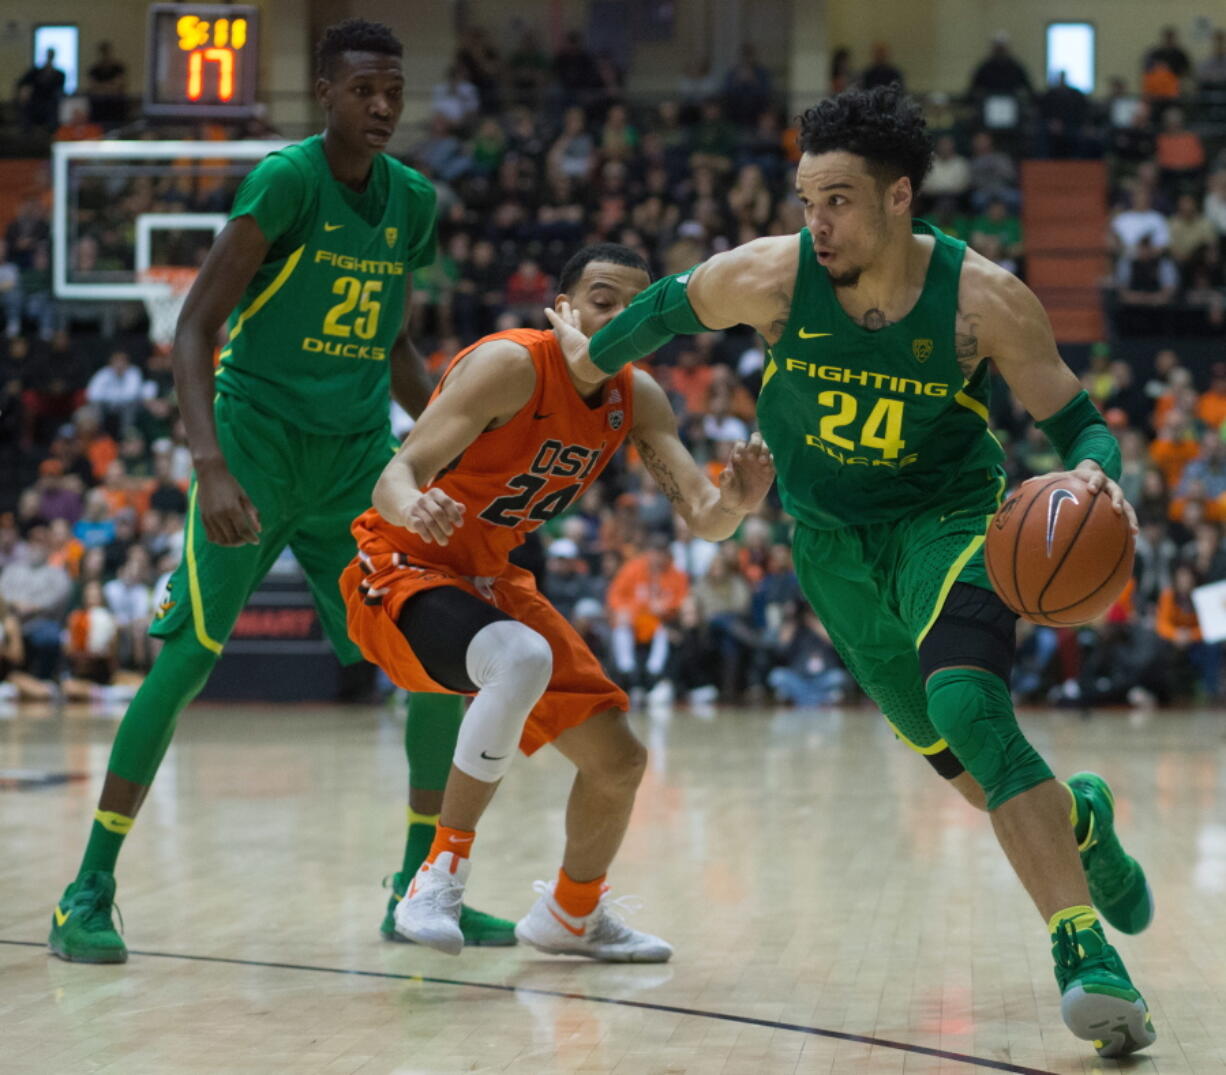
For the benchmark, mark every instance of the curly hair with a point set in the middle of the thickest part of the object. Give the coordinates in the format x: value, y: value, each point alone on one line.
x: 353, y: 35
x: 883, y: 125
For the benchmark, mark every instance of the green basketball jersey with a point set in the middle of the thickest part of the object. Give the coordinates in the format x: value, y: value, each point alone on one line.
x: 312, y: 337
x: 870, y: 427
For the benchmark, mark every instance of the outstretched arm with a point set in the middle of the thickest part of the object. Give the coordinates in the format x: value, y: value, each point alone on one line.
x: 711, y: 512
x: 750, y: 285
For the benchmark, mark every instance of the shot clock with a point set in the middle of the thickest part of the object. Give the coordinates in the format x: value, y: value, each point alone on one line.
x: 202, y: 60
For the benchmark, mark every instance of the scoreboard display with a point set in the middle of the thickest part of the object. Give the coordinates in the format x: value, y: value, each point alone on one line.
x: 201, y: 60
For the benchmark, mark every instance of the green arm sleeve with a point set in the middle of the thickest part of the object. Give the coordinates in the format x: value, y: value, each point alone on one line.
x: 273, y: 194
x: 1077, y: 431
x: 650, y: 321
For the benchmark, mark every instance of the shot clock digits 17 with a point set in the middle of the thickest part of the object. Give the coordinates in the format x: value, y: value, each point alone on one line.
x: 202, y: 60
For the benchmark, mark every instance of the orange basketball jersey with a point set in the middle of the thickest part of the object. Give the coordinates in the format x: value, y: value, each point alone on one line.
x: 514, y: 478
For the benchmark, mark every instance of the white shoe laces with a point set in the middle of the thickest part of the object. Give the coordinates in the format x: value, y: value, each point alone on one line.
x: 608, y: 921
x: 443, y: 895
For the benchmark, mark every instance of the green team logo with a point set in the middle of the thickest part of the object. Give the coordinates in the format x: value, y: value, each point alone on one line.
x: 390, y: 235
x: 921, y: 349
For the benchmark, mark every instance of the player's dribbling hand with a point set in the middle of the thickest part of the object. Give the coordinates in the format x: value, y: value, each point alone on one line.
x: 1096, y: 480
x: 566, y: 326
x: 432, y: 515
x: 227, y: 513
x: 747, y: 478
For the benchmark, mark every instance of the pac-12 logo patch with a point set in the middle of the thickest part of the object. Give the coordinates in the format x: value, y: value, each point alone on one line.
x: 921, y: 349
x: 390, y: 235
x: 615, y: 419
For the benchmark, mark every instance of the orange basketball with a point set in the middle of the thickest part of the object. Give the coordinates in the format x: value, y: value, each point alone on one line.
x: 1056, y: 554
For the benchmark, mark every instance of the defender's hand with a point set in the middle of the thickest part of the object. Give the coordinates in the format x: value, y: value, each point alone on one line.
x: 432, y: 515
x: 1096, y: 481
x: 573, y: 342
x: 227, y: 513
x: 747, y: 478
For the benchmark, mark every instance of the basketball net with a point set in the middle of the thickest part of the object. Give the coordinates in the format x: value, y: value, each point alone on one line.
x: 169, y: 285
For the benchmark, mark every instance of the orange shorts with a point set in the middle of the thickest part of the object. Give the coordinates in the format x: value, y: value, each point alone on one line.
x: 376, y: 587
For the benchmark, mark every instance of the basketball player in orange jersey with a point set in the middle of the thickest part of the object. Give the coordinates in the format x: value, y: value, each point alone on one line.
x: 508, y: 441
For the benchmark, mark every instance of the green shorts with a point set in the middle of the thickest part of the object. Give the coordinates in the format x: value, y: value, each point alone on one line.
x: 307, y: 488
x: 878, y: 590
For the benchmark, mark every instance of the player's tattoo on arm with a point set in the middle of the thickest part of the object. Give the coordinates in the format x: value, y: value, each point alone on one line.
x: 966, y: 342
x: 659, y: 470
x: 874, y: 320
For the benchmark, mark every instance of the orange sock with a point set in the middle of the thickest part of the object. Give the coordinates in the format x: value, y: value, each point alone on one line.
x: 578, y: 898
x: 457, y: 841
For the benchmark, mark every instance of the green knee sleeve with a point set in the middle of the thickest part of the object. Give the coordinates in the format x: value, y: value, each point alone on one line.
x: 177, y: 676
x: 974, y: 713
x: 430, y: 733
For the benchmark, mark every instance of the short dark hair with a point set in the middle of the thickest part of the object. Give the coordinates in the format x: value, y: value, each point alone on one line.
x: 613, y: 252
x: 883, y: 125
x: 353, y: 35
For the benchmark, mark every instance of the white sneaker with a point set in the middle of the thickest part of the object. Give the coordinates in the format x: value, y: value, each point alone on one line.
x: 601, y: 935
x: 429, y: 913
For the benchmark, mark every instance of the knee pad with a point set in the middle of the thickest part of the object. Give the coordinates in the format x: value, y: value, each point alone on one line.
x: 511, y: 665
x: 972, y: 710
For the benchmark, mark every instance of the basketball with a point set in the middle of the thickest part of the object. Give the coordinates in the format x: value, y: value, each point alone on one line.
x: 1057, y: 554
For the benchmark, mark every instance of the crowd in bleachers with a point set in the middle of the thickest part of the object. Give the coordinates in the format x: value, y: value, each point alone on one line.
x: 532, y: 156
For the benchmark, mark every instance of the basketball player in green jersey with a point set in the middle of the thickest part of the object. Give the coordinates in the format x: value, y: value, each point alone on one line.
x: 874, y: 404
x: 313, y: 271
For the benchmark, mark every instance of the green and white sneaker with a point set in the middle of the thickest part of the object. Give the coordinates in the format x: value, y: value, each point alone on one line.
x: 1100, y: 1003
x: 1117, y: 883
x: 81, y: 926
x: 480, y: 930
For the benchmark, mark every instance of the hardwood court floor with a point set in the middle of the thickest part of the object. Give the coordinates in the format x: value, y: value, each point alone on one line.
x: 833, y: 906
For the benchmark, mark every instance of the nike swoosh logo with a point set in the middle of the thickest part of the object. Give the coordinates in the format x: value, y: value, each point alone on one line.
x: 332, y: 227
x: 539, y: 416
x: 812, y: 335
x: 60, y: 917
x: 491, y: 757
x: 578, y: 932
x: 1054, y: 503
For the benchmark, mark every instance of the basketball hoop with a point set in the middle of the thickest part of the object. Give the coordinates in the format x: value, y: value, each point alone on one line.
x: 166, y: 289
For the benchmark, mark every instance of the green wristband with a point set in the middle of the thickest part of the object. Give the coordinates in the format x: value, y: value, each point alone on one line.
x: 1077, y: 431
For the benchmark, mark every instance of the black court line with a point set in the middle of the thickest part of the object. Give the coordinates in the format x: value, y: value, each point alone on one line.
x: 745, y: 1020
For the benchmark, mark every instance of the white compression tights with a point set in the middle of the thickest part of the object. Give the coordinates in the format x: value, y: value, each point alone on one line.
x: 510, y: 664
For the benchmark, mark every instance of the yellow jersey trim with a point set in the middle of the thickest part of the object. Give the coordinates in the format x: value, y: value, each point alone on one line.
x: 971, y: 404
x: 261, y: 300
x: 193, y: 579
x: 947, y: 584
x: 934, y: 748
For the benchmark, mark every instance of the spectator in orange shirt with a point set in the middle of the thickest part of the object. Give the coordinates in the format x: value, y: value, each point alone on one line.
x: 692, y: 377
x: 1175, y: 446
x: 1181, y: 153
x: 644, y: 600
x: 1177, y: 623
x: 1211, y: 407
